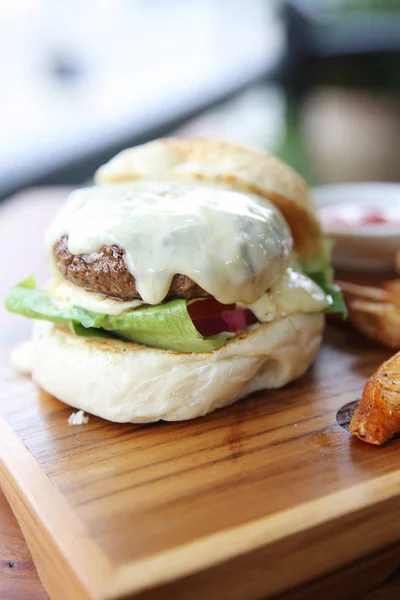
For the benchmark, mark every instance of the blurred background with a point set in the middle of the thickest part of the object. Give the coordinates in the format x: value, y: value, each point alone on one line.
x: 314, y: 81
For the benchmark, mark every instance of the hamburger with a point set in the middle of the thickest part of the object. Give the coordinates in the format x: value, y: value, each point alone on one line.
x: 191, y: 274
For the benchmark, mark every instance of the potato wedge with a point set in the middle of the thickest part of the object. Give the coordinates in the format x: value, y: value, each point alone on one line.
x: 377, y: 417
x: 354, y: 291
x: 375, y: 311
x: 378, y: 322
x: 392, y: 286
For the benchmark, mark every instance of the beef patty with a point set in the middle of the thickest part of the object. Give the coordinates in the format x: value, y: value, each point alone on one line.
x: 105, y: 272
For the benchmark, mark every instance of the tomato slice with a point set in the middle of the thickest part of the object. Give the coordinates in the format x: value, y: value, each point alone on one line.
x: 210, y: 317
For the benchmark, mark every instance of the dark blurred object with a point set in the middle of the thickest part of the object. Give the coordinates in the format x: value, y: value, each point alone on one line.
x: 341, y: 43
x: 63, y: 67
x: 341, y: 74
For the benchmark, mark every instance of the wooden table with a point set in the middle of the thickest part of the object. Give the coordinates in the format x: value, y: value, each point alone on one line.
x: 18, y: 574
x: 18, y: 219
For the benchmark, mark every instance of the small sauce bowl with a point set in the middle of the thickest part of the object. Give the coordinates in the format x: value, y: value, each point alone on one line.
x: 363, y: 219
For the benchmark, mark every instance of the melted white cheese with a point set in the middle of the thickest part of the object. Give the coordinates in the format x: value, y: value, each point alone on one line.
x: 293, y: 292
x: 224, y: 240
x: 66, y: 294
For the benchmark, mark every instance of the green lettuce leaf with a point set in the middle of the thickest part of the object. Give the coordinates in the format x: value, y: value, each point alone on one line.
x: 338, y: 304
x: 320, y: 263
x: 167, y: 326
x: 81, y: 331
x: 319, y: 269
x: 29, y: 301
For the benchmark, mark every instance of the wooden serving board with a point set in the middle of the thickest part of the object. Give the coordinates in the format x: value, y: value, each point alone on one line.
x: 249, y: 502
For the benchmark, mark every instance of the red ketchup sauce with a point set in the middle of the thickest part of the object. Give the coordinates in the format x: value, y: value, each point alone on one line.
x: 356, y: 216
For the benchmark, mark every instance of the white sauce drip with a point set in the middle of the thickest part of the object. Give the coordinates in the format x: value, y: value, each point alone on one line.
x: 67, y: 295
x: 293, y: 292
x: 228, y: 243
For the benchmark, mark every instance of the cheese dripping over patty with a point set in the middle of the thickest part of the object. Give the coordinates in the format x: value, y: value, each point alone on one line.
x: 228, y: 242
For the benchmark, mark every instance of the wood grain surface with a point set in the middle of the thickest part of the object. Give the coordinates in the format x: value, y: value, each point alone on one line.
x: 271, y: 491
x: 19, y: 579
x: 18, y: 575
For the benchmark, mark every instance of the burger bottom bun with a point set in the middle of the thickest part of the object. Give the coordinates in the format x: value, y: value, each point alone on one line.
x: 126, y: 382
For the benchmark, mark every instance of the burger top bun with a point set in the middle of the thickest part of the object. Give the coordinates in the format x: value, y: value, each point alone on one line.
x: 238, y: 167
x: 126, y: 382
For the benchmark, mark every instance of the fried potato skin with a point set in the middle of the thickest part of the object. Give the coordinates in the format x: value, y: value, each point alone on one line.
x: 377, y: 417
x: 375, y: 311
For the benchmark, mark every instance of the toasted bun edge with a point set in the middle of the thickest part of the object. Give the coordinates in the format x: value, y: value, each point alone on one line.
x: 126, y: 382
